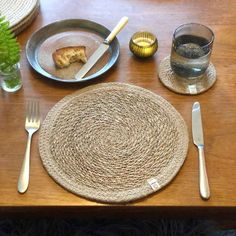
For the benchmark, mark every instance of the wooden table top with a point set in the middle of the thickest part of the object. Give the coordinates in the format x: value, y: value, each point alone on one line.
x: 218, y: 104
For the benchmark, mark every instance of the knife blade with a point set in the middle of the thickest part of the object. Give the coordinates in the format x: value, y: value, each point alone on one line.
x: 101, y: 49
x: 198, y: 140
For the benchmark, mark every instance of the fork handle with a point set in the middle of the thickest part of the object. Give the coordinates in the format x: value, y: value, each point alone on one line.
x: 203, y: 180
x: 23, y: 181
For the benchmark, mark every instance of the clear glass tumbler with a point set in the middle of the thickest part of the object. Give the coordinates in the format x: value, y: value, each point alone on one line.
x: 11, y: 78
x: 191, y: 50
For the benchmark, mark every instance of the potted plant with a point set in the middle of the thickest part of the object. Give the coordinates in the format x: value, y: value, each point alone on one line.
x: 9, y: 58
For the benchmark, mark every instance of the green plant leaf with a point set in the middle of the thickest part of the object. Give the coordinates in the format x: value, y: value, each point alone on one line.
x: 9, y: 47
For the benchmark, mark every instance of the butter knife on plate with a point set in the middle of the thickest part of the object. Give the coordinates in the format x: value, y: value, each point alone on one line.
x: 198, y: 140
x: 101, y: 49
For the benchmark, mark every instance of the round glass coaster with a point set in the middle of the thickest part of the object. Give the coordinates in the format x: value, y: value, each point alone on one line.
x: 183, y: 85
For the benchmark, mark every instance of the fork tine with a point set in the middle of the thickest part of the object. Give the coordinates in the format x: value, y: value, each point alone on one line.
x: 33, y: 111
x: 37, y: 111
x: 28, y: 112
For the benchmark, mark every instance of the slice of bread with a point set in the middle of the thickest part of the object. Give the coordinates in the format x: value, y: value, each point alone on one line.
x: 63, y: 57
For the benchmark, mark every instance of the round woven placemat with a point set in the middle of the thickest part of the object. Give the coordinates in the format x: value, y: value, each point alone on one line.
x: 19, y: 13
x: 113, y: 142
x: 186, y: 86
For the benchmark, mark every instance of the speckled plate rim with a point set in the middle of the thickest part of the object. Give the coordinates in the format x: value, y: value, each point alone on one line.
x: 36, y: 40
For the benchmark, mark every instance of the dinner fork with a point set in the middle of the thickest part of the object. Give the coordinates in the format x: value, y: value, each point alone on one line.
x: 32, y: 124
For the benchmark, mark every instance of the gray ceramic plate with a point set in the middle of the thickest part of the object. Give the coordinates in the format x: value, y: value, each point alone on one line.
x: 65, y: 33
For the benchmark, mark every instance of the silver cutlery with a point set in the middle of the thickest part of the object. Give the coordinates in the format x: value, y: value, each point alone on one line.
x: 32, y: 124
x: 198, y: 140
x: 101, y: 49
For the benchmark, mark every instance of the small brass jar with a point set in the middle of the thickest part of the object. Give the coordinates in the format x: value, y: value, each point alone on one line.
x: 143, y: 44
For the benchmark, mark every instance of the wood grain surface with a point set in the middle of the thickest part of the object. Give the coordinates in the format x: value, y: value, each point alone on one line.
x: 218, y: 104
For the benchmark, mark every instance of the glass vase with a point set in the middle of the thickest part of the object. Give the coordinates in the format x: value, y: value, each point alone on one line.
x: 11, y: 78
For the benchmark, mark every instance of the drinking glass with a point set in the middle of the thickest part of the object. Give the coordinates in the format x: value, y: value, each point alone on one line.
x: 11, y: 78
x: 191, y: 50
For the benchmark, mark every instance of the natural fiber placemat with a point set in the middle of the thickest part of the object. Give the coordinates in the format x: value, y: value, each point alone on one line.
x: 186, y: 86
x: 17, y: 11
x: 113, y: 142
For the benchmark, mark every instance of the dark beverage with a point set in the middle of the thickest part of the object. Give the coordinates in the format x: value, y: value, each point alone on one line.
x: 190, y: 55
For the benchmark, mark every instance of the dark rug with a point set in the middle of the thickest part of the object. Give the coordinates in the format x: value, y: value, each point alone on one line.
x: 110, y: 227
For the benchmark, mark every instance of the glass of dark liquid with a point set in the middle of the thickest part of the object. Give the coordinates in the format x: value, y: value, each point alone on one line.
x: 191, y: 50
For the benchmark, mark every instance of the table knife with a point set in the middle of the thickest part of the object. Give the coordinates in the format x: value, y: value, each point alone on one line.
x: 101, y: 49
x: 198, y: 140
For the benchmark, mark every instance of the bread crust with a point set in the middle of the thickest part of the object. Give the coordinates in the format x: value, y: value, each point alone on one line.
x: 65, y: 56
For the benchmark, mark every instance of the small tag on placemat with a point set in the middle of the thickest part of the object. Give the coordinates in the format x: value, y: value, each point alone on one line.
x: 154, y: 183
x: 192, y: 89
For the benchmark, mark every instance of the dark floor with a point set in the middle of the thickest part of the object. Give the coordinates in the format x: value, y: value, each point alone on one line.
x: 103, y: 227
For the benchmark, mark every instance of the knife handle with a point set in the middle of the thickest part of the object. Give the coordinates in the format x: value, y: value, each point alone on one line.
x: 121, y: 24
x: 203, y: 180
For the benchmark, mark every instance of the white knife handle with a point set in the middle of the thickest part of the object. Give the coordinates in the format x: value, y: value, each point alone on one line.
x: 123, y: 21
x: 203, y: 180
